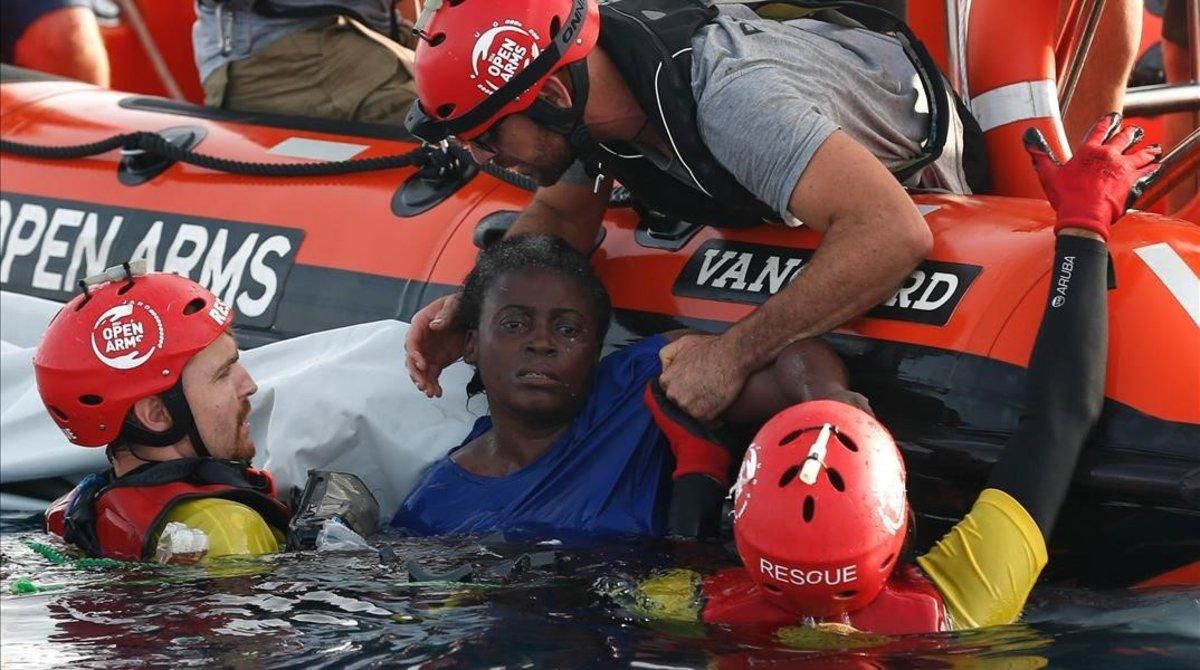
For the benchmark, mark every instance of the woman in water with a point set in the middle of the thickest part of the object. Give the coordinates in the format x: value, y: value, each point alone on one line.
x: 574, y: 443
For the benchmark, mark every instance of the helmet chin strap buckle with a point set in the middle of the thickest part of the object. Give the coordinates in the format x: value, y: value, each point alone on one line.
x: 816, y: 457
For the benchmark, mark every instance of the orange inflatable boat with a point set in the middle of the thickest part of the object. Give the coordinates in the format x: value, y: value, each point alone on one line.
x: 942, y: 360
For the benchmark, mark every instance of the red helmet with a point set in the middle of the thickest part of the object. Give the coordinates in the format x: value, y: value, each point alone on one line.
x: 122, y: 341
x: 480, y: 60
x: 820, y: 513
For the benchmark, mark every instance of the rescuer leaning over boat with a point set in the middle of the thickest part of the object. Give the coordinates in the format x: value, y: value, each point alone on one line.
x: 710, y: 114
x: 146, y: 364
x: 820, y: 510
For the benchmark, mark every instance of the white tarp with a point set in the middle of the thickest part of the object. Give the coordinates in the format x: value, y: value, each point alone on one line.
x: 335, y: 400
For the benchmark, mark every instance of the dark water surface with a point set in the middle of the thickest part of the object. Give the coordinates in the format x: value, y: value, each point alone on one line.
x: 321, y: 610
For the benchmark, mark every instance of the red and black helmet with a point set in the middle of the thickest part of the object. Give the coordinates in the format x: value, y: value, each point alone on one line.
x: 119, y: 342
x: 480, y: 60
x: 820, y: 513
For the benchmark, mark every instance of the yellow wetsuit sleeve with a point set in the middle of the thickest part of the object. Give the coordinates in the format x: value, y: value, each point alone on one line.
x: 233, y: 529
x: 987, y: 564
x: 672, y: 595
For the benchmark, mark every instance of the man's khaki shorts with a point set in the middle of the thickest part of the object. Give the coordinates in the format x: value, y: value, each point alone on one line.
x: 331, y: 72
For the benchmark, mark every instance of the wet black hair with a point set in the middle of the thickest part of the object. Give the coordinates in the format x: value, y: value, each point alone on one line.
x: 546, y: 252
x: 520, y: 252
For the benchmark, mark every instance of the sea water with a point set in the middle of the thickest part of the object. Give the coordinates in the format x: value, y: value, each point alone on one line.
x: 357, y: 610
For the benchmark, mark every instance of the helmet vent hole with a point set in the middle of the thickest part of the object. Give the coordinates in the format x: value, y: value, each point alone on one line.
x: 555, y: 25
x: 454, y: 3
x: 436, y: 40
x: 193, y: 306
x: 125, y: 288
x: 845, y: 595
x: 810, y: 508
x: 445, y: 110
x: 887, y: 561
x: 846, y: 441
x: 789, y: 475
x: 58, y: 413
x: 91, y: 399
x: 791, y: 437
x: 771, y: 588
x: 835, y: 478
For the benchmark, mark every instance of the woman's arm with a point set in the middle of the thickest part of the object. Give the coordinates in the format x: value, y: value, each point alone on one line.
x: 805, y: 370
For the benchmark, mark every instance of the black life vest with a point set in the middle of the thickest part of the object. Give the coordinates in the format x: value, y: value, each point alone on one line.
x: 650, y: 42
x: 116, y: 517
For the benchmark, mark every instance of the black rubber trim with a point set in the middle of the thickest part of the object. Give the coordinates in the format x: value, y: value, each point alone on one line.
x: 11, y: 74
x: 140, y: 168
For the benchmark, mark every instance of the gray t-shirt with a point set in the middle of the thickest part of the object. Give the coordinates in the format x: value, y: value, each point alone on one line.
x: 768, y: 94
x: 249, y: 33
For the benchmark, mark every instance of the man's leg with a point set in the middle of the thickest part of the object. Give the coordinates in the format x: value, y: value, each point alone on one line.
x: 384, y: 95
x: 283, y: 78
x: 1178, y: 67
x: 329, y: 72
x: 1101, y: 87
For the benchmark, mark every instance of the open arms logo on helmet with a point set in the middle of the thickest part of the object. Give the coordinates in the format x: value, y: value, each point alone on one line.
x: 478, y: 62
x: 127, y: 335
x: 501, y: 52
x: 822, y: 520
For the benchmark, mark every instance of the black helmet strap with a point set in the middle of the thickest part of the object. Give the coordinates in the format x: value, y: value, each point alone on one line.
x: 183, y: 424
x: 568, y: 122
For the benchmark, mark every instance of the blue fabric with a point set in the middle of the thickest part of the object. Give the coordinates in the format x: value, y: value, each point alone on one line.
x: 17, y: 15
x: 606, y: 475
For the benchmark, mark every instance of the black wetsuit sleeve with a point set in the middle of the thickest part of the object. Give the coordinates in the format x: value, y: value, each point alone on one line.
x: 1065, y: 391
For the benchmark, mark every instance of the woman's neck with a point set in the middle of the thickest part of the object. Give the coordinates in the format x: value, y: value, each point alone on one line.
x: 511, y: 444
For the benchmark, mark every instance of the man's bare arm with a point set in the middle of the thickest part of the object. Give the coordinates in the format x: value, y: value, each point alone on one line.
x: 806, y: 370
x: 571, y: 211
x: 873, y: 238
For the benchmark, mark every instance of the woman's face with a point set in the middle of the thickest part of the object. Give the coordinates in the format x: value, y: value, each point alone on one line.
x: 536, y: 345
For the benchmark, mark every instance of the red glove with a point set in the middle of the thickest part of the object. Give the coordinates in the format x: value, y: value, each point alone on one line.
x: 697, y: 450
x: 1106, y: 175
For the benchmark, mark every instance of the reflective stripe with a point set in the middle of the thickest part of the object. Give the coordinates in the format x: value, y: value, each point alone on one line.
x: 667, y: 125
x: 1016, y: 102
x: 1175, y: 274
x: 317, y: 150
